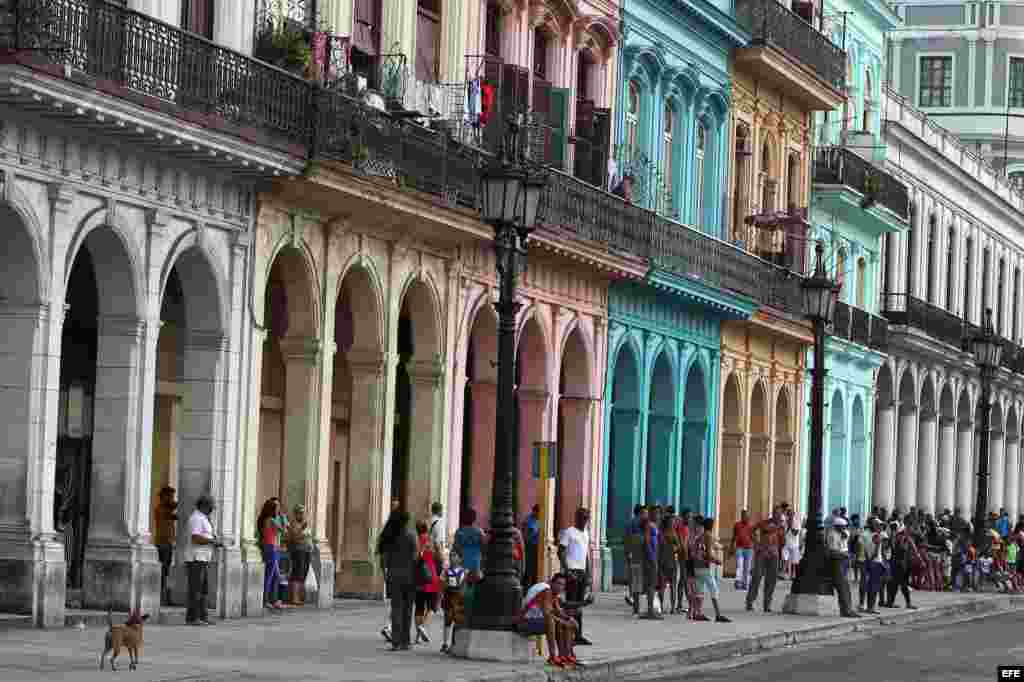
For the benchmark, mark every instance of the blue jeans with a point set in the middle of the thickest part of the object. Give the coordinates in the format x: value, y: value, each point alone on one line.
x: 271, y: 572
x: 744, y: 565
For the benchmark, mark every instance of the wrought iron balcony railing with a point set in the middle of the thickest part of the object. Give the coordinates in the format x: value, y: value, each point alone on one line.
x: 942, y: 325
x: 770, y: 23
x: 840, y: 166
x: 858, y: 325
x: 125, y: 50
x: 138, y: 54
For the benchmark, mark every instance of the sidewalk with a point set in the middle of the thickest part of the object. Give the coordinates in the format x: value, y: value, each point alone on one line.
x: 344, y: 644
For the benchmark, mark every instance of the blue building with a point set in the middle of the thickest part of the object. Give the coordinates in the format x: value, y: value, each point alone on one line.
x: 662, y: 388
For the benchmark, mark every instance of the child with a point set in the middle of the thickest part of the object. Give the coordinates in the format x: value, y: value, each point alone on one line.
x: 453, y: 602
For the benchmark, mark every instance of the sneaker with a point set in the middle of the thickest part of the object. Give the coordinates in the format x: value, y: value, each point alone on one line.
x: 444, y: 648
x: 422, y: 634
x: 204, y: 623
x: 702, y: 618
x: 556, y: 661
x: 582, y: 641
x: 629, y: 600
x: 386, y: 634
x: 722, y: 619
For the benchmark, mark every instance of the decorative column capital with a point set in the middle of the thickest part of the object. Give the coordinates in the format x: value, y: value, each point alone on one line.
x: 211, y: 340
x: 426, y: 372
x: 362, y: 361
x: 123, y: 325
x: 156, y: 222
x: 62, y: 195
x: 301, y: 348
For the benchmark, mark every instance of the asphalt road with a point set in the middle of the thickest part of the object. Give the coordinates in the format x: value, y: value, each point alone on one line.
x: 960, y: 652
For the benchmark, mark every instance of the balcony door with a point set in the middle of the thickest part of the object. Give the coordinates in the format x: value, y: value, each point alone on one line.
x: 197, y: 17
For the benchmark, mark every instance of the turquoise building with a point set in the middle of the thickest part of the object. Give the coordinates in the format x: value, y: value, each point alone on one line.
x: 854, y: 202
x: 662, y: 385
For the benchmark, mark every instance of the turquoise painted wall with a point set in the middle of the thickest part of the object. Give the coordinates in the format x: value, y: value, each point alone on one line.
x: 661, y: 402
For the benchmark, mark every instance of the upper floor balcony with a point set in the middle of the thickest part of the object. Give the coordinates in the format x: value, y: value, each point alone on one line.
x: 789, y: 53
x: 858, y: 325
x: 870, y: 185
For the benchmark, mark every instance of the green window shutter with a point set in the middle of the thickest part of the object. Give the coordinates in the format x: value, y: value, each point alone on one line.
x: 559, y: 119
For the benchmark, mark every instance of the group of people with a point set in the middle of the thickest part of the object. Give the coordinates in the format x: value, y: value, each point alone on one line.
x: 275, y: 532
x: 420, y: 580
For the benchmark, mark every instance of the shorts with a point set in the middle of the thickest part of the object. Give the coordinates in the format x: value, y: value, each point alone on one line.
x: 426, y: 601
x: 532, y: 627
x: 707, y: 582
x: 454, y: 606
x: 790, y: 553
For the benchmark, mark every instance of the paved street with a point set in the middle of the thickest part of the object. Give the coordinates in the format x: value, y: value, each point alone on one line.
x: 344, y: 645
x: 961, y: 652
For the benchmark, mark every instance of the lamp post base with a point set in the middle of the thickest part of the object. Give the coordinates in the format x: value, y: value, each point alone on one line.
x: 501, y: 646
x: 812, y: 591
x: 811, y: 605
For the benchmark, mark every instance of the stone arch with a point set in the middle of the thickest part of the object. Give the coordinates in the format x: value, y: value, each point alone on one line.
x: 925, y: 451
x: 757, y: 463
x: 22, y: 448
x: 906, y: 446
x: 694, y: 458
x: 292, y: 291
x: 421, y: 302
x: 859, y: 477
x: 189, y: 390
x: 479, y: 407
x: 883, y: 455
x: 661, y: 431
x: 373, y: 306
x: 785, y: 453
x: 946, y: 451
x: 573, y: 428
x: 838, y: 473
x: 101, y: 353
x: 622, y: 489
x: 580, y: 373
x: 732, y: 464
x: 532, y: 400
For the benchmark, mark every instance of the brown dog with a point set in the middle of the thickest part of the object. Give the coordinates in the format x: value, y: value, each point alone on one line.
x: 127, y: 636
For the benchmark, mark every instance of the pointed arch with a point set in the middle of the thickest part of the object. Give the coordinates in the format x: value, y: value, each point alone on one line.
x: 371, y: 285
x: 837, y: 456
x: 202, y: 282
x: 695, y: 437
x: 120, y: 285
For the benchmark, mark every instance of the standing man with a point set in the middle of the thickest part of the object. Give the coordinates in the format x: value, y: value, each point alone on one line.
x: 743, y: 548
x: 165, y: 534
x: 437, y: 535
x: 197, y: 560
x: 400, y: 553
x: 683, y: 533
x: 634, y: 557
x: 770, y: 536
x: 838, y: 546
x: 531, y: 542
x: 650, y: 560
x: 574, y: 554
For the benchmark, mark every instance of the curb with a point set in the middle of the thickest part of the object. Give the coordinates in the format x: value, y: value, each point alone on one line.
x: 654, y: 664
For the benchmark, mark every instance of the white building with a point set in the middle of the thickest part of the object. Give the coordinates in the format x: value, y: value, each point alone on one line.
x: 130, y: 152
x: 963, y: 254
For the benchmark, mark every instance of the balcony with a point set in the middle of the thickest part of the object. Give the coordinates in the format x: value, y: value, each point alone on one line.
x: 86, y: 46
x: 941, y: 325
x: 861, y: 327
x: 792, y: 55
x: 840, y: 166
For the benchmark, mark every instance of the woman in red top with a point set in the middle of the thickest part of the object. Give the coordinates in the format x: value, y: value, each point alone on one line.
x: 427, y: 591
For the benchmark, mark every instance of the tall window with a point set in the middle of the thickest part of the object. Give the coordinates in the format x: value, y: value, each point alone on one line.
x: 701, y: 142
x: 936, y: 82
x: 540, y: 54
x: 867, y: 100
x: 428, y: 40
x: 666, y: 158
x: 632, y: 120
x: 767, y: 181
x: 930, y: 262
x: 793, y: 183
x: 1017, y: 81
x: 968, y: 262
x: 197, y: 17
x: 1016, y: 304
x: 887, y: 244
x: 741, y: 186
x: 1000, y: 293
x: 862, y: 282
x: 985, y: 257
x: 910, y: 258
x: 950, y: 243
x: 841, y: 271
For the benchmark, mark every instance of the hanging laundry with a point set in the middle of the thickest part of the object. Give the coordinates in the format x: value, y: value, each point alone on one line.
x: 488, y: 92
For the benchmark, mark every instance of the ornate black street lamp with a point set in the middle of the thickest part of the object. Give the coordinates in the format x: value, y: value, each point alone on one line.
x: 512, y: 188
x: 987, y: 349
x: 820, y: 294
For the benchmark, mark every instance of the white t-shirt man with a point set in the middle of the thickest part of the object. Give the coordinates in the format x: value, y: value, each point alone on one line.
x: 576, y: 543
x: 199, y: 524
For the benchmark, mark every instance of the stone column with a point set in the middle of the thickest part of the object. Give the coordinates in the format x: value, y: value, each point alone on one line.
x: 945, y: 498
x: 364, y: 507
x: 533, y: 406
x: 121, y: 569
x: 31, y: 557
x: 481, y: 479
x: 996, y: 467
x: 965, y: 469
x: 576, y: 474
x: 252, y: 560
x: 1012, y: 487
x: 906, y: 458
x: 885, y: 456
x: 927, y: 461
x: 424, y: 445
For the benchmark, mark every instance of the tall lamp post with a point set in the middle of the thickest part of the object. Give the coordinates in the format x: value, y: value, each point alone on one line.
x: 819, y: 306
x: 987, y: 349
x: 512, y: 188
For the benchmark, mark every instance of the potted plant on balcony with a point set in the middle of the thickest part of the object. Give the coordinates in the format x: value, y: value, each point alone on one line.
x: 872, y: 187
x: 285, y: 45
